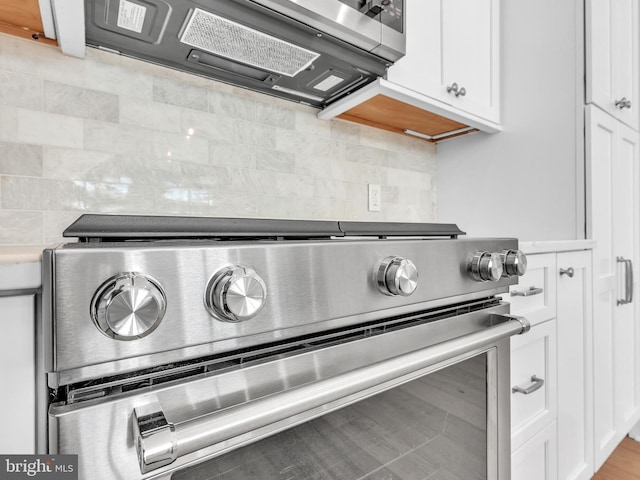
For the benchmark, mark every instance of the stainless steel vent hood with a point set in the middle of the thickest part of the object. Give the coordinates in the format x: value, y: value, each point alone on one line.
x: 308, y: 51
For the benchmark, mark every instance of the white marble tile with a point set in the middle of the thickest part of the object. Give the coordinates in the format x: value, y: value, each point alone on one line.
x: 80, y: 102
x: 409, y: 179
x: 420, y: 163
x: 255, y: 134
x: 274, y: 115
x: 148, y: 114
x: 20, y: 159
x: 275, y: 161
x: 210, y: 126
x: 44, y: 128
x: 119, y: 198
x: 342, y: 130
x: 315, y: 166
x: 40, y: 60
x: 196, y: 175
x: 118, y: 75
x: 390, y: 195
x: 186, y: 146
x: 55, y: 223
x: 368, y: 155
x: 330, y: 188
x: 114, y: 138
x: 179, y: 147
x: 212, y: 203
x: 18, y: 227
x: 303, y: 143
x: 8, y: 123
x: 376, y: 138
x: 172, y: 201
x: 306, y: 121
x: 181, y: 94
x: 364, y: 173
x: 223, y: 103
x: 20, y: 90
x: 74, y: 163
x: 33, y: 193
x: 232, y: 155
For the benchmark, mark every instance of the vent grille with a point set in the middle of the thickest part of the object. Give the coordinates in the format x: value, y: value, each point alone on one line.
x: 234, y: 41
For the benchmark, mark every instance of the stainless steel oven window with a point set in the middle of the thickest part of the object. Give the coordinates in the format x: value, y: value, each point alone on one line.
x: 436, y: 426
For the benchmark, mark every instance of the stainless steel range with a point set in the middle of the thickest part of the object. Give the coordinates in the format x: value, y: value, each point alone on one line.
x: 202, y: 348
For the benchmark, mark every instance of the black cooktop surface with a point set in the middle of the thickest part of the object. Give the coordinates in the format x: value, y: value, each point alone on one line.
x: 91, y: 227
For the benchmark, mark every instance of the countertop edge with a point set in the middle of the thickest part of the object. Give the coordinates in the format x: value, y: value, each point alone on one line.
x: 556, y: 246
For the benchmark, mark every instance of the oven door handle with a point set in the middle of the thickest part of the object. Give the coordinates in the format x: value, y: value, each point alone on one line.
x: 160, y: 443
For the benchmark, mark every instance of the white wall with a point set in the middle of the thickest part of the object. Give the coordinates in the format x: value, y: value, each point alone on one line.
x: 527, y: 181
x: 109, y: 134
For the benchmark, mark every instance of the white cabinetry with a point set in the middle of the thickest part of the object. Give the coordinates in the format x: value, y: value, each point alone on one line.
x: 447, y: 82
x: 17, y: 371
x: 536, y: 459
x: 575, y: 366
x: 19, y: 283
x: 612, y: 207
x: 453, y: 44
x: 612, y: 58
x: 551, y: 423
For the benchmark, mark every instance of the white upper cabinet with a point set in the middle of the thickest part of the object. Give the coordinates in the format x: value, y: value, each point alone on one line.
x: 612, y: 58
x: 447, y: 84
x: 452, y: 54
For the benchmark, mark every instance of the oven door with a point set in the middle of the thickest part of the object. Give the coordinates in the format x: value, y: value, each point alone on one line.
x: 402, y: 400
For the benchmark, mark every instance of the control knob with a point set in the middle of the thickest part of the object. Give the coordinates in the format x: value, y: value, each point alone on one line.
x: 514, y: 262
x: 486, y: 267
x: 128, y: 306
x: 397, y: 276
x: 235, y: 293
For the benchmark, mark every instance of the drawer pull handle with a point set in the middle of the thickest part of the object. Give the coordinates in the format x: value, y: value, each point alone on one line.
x: 536, y: 384
x: 527, y: 293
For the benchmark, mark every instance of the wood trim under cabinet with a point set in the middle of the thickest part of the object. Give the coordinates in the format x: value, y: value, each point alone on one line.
x: 393, y: 115
x: 22, y: 18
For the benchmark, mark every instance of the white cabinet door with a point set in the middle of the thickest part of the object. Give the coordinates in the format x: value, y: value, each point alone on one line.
x: 17, y: 372
x: 453, y: 42
x: 612, y: 186
x: 612, y: 58
x: 533, y: 381
x: 536, y: 459
x: 575, y: 366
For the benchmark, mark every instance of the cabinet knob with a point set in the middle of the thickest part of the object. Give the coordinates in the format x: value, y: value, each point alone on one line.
x: 623, y: 103
x: 459, y: 92
x: 569, y: 272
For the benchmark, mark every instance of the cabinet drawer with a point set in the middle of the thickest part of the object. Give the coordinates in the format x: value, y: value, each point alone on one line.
x: 533, y: 382
x: 535, y: 295
x: 536, y: 459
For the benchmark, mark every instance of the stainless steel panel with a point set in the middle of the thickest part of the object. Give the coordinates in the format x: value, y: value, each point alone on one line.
x: 109, y: 422
x: 333, y: 283
x: 343, y: 22
x: 222, y: 427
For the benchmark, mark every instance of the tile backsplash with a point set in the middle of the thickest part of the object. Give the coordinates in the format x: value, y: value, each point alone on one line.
x: 110, y: 134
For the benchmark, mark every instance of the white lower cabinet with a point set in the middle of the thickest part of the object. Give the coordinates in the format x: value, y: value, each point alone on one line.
x: 536, y: 459
x: 551, y: 369
x: 18, y: 373
x: 575, y: 367
x: 533, y: 382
